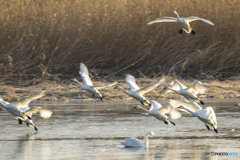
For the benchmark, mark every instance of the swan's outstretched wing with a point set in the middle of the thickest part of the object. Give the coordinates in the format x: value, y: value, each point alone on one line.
x: 45, y: 113
x: 132, y: 142
x: 131, y: 82
x: 207, y: 113
x: 192, y: 106
x: 176, y: 85
x: 155, y: 105
x: 194, y: 18
x: 104, y: 85
x: 84, y: 74
x: 23, y: 102
x: 174, y: 113
x: 167, y: 108
x: 32, y: 110
x: 150, y: 87
x: 163, y: 19
x: 196, y: 87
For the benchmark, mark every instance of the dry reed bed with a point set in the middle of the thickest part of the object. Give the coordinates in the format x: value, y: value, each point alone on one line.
x: 52, y: 36
x: 67, y: 91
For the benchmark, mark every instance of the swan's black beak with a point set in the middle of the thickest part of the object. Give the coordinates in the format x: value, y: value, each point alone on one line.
x: 135, y: 107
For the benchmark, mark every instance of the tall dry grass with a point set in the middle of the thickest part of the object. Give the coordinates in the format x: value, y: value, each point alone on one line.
x: 54, y: 36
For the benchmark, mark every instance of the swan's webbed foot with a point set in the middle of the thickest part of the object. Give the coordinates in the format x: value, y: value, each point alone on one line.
x: 192, y: 32
x: 207, y: 127
x: 181, y: 31
x: 172, y: 123
x: 35, y: 128
x: 27, y: 124
x: 100, y: 98
x: 215, y: 130
x: 142, y: 102
x: 165, y: 122
x: 28, y: 117
x: 201, y: 102
x: 19, y: 121
x: 93, y: 95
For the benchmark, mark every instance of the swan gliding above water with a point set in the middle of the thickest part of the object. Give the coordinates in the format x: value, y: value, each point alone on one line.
x: 88, y: 86
x: 136, y: 92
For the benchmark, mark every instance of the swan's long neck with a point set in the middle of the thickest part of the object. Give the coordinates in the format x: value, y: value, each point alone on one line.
x: 123, y: 90
x: 172, y: 90
x: 191, y: 112
x: 2, y: 104
x: 79, y: 83
x: 144, y: 109
x: 146, y: 143
x: 177, y: 15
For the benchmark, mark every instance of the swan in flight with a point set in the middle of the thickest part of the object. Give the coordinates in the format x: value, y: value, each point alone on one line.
x: 189, y: 92
x: 133, y: 142
x: 21, y: 110
x: 182, y: 22
x: 158, y: 111
x: 136, y: 92
x: 88, y: 86
x: 44, y: 113
x: 206, y: 115
x: 238, y: 104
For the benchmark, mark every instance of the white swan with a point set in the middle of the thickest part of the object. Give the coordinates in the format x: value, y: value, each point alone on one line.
x: 158, y: 111
x: 44, y: 113
x: 238, y: 104
x: 182, y: 22
x: 189, y: 92
x: 206, y: 115
x: 133, y: 142
x: 136, y: 92
x: 20, y: 108
x: 88, y: 86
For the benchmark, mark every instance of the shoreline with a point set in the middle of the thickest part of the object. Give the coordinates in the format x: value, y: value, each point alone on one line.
x: 67, y: 91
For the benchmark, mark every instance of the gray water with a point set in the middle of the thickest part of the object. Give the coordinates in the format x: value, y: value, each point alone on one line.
x: 94, y: 131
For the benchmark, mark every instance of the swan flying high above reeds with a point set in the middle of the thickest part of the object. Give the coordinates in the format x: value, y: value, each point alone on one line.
x: 182, y: 22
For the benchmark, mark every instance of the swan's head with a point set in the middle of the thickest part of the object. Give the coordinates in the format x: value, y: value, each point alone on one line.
x: 152, y: 133
x: 165, y: 88
x: 175, y: 12
x: 117, y: 87
x: 74, y: 79
x: 238, y: 104
x: 180, y: 107
x: 136, y: 107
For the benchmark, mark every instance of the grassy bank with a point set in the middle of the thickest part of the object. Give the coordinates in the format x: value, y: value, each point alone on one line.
x: 51, y: 37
